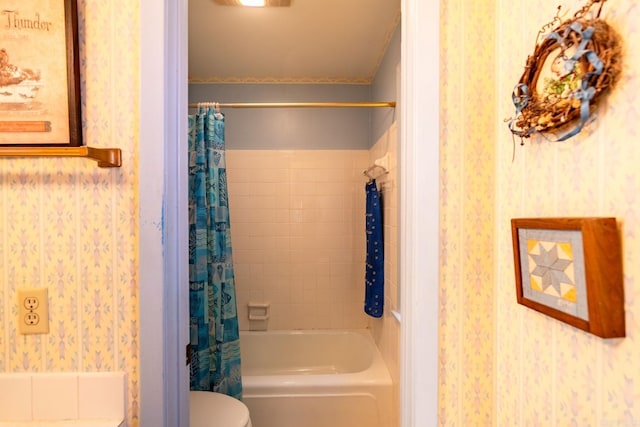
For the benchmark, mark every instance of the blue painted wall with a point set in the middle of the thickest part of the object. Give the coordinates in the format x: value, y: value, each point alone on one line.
x: 290, y: 128
x: 306, y: 128
x: 386, y: 87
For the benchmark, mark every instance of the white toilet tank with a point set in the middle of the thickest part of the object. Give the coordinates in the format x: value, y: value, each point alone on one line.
x: 207, y: 409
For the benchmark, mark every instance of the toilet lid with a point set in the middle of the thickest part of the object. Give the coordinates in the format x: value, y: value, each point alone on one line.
x: 207, y: 409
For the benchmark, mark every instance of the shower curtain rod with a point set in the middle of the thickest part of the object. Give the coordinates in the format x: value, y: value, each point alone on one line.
x: 390, y: 104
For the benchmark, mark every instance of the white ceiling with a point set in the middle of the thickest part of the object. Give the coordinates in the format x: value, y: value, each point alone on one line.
x: 312, y: 41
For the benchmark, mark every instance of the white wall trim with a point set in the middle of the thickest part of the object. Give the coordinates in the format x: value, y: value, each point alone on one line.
x: 163, y: 297
x: 151, y: 316
x: 163, y: 398
x: 419, y: 210
x: 176, y: 213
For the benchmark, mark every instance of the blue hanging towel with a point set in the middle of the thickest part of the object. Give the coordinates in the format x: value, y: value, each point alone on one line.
x: 374, y: 274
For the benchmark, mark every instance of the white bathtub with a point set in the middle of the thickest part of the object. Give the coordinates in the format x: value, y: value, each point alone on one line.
x: 315, y: 378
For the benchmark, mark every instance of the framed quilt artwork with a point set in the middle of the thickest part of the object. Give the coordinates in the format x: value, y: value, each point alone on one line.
x: 571, y: 269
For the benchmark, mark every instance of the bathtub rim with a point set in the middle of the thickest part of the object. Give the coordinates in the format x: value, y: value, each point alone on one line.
x: 375, y: 377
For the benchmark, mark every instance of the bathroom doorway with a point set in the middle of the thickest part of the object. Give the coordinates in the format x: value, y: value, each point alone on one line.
x: 161, y: 348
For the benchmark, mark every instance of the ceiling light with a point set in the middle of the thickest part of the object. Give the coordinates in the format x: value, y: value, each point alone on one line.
x: 254, y: 3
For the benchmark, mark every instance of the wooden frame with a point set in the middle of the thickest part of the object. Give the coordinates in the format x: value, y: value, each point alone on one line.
x: 571, y: 269
x: 39, y: 74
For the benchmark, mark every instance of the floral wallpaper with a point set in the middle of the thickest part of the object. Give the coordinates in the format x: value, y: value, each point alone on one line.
x: 72, y: 227
x: 466, y: 213
x: 551, y: 373
x: 502, y: 363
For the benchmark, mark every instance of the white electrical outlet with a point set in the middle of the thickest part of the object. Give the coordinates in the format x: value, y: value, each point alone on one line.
x: 33, y: 311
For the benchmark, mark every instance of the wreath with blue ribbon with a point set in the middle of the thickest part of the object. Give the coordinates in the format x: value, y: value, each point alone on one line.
x: 571, y: 67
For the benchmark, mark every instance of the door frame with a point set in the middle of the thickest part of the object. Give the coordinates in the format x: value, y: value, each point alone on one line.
x: 163, y: 222
x: 419, y: 212
x: 163, y: 397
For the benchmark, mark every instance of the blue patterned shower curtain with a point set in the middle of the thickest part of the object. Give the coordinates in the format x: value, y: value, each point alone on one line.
x: 215, y: 341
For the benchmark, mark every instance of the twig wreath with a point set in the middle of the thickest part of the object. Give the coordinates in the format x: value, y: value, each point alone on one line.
x: 571, y: 67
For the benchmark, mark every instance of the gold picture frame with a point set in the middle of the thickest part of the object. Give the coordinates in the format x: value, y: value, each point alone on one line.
x: 571, y: 269
x: 39, y: 74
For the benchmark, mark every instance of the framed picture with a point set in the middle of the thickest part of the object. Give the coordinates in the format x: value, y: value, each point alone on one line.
x: 571, y: 269
x: 39, y: 73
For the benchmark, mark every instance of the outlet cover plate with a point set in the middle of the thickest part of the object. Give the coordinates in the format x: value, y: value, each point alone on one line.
x: 33, y: 311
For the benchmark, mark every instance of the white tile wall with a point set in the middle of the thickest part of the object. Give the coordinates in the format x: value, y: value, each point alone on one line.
x: 297, y: 222
x: 386, y: 330
x: 54, y: 396
x: 62, y: 396
x: 15, y: 397
x: 101, y: 395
